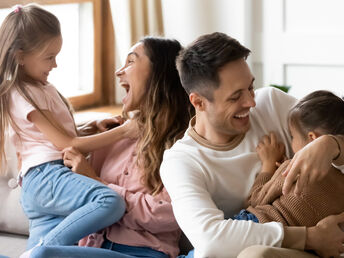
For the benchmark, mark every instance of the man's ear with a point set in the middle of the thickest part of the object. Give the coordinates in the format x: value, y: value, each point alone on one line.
x: 197, y: 101
x: 312, y: 136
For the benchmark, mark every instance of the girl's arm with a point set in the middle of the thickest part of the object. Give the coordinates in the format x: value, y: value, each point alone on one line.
x: 56, y: 134
x: 99, y: 125
x: 270, y: 151
x: 267, y: 187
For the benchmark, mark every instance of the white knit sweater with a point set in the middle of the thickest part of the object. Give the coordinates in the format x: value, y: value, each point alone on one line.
x: 208, y: 184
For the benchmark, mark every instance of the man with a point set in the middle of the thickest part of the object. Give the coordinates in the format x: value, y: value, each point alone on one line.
x: 209, y: 172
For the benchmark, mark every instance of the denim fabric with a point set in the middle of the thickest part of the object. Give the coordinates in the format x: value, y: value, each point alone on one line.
x: 246, y: 215
x: 75, y: 252
x: 108, y: 250
x: 63, y: 206
x: 133, y: 251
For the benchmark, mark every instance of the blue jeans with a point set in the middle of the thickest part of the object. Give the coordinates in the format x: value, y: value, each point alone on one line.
x: 63, y: 206
x: 246, y: 215
x: 108, y: 250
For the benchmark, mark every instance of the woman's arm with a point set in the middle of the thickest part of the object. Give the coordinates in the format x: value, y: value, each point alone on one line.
x: 57, y: 135
x: 313, y: 162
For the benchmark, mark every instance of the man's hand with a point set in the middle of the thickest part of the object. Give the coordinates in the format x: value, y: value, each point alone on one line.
x: 326, y: 238
x: 310, y: 164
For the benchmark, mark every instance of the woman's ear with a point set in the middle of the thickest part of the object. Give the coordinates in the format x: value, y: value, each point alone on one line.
x: 197, y: 101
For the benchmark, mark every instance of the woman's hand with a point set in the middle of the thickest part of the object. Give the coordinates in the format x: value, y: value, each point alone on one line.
x: 310, y: 164
x: 270, y: 151
x: 326, y: 238
x: 100, y: 125
x: 77, y: 162
x: 109, y: 123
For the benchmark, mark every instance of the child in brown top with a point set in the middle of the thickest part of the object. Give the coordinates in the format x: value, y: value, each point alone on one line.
x: 320, y: 112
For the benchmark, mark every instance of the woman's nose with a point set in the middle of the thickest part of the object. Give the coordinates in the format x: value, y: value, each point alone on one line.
x: 119, y: 71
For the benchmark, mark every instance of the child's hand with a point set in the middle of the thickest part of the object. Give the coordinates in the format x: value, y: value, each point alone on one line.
x: 270, y: 152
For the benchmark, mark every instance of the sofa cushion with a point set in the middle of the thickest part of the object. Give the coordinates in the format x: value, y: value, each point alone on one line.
x: 12, y: 217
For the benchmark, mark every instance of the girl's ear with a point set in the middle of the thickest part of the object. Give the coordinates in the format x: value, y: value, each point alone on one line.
x: 20, y: 57
x: 197, y: 101
x: 312, y: 136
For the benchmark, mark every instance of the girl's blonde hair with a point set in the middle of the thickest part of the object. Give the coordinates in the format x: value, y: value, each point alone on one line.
x: 27, y: 29
x: 165, y: 112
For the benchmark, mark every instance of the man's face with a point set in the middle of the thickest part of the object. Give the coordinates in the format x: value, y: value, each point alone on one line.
x: 228, y: 112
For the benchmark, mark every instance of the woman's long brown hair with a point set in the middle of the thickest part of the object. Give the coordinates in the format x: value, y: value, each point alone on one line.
x: 165, y: 112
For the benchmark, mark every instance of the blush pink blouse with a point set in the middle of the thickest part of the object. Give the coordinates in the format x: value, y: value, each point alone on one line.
x: 148, y: 220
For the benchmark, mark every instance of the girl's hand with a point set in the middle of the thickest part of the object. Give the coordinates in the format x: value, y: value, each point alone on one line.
x: 75, y: 160
x: 270, y: 152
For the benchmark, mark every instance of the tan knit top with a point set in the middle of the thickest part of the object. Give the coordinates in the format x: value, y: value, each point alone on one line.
x: 316, y: 201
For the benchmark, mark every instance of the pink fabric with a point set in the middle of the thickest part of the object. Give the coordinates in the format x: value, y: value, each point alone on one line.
x: 32, y: 145
x: 148, y: 220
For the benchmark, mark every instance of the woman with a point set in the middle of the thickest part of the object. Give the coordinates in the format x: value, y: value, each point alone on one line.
x: 131, y: 167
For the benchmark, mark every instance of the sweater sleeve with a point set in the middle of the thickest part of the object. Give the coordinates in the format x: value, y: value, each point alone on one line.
x: 202, y: 222
x: 267, y: 187
x: 256, y: 190
x: 147, y: 212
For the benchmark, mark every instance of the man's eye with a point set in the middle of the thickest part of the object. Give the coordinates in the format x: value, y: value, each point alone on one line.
x: 234, y: 99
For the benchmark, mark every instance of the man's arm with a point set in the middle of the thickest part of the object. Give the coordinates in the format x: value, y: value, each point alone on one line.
x: 202, y: 222
x: 326, y: 238
x: 313, y: 162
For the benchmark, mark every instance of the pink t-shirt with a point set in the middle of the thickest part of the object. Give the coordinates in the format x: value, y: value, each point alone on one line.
x: 33, y: 146
x: 148, y: 220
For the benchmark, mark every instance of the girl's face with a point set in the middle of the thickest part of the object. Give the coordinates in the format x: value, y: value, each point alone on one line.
x: 298, y: 141
x: 133, y: 77
x: 38, y: 64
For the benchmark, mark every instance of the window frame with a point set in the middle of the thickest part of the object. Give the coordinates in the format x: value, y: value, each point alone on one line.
x: 104, y: 66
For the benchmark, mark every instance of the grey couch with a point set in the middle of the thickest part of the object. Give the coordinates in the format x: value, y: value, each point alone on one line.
x: 13, y: 222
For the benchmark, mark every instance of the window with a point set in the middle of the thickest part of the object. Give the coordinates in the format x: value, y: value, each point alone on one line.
x: 84, y: 74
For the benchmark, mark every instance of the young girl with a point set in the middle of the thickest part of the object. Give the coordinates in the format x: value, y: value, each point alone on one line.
x: 319, y: 113
x: 62, y: 206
